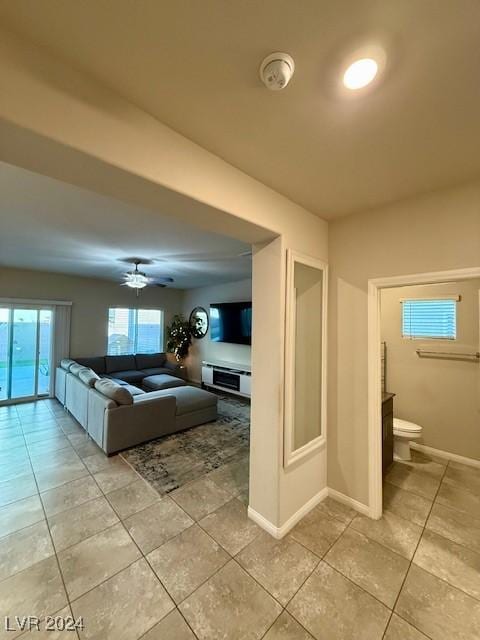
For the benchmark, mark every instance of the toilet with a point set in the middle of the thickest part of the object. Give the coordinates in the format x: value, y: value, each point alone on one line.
x: 403, y: 433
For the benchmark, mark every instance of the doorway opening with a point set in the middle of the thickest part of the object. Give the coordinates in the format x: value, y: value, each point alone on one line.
x: 25, y: 353
x: 376, y: 371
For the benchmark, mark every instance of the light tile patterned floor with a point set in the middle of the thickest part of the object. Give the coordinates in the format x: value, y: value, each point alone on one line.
x: 83, y: 533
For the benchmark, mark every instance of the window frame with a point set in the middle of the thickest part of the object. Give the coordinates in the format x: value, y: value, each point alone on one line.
x: 439, y: 298
x: 136, y: 310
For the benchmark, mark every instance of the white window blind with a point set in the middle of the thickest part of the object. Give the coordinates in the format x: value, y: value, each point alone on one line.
x: 434, y: 319
x: 134, y: 331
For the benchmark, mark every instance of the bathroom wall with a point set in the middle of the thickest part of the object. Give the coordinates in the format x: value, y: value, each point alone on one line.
x: 205, y: 349
x: 440, y: 395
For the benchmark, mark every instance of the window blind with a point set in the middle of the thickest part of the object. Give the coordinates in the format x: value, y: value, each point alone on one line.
x: 430, y: 319
x: 149, y: 325
x: 134, y: 331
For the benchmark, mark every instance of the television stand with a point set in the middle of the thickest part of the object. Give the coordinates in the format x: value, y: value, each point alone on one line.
x: 227, y: 376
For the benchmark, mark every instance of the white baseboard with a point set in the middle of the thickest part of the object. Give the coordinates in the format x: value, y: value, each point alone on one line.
x: 349, y: 502
x: 280, y: 532
x: 263, y: 522
x: 471, y: 462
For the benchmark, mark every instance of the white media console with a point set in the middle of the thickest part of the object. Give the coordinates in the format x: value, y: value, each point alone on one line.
x: 227, y: 376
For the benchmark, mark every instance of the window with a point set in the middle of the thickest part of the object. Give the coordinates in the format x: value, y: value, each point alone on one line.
x: 434, y: 319
x: 134, y: 331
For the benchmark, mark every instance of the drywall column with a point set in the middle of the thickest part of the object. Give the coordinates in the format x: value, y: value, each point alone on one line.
x: 267, y: 366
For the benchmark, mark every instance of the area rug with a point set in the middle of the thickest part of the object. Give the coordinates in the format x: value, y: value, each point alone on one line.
x: 170, y: 462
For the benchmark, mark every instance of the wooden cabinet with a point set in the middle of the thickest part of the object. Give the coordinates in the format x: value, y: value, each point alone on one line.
x: 387, y: 430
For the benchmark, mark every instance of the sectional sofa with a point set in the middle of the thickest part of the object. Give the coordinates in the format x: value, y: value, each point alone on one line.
x: 107, y: 399
x: 132, y: 369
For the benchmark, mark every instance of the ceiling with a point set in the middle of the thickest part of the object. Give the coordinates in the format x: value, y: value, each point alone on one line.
x: 194, y: 65
x: 51, y: 226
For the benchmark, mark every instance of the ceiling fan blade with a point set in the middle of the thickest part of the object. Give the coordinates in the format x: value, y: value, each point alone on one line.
x: 136, y: 261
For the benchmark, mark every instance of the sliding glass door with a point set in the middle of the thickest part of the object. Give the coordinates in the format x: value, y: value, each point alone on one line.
x: 5, y: 327
x: 25, y: 352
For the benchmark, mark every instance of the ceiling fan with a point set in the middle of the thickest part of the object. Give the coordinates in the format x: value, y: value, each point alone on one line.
x: 138, y: 280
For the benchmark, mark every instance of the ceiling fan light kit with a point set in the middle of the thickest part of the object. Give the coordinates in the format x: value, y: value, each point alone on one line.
x: 138, y: 280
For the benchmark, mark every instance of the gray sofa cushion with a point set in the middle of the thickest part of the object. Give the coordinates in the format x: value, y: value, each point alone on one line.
x: 192, y: 399
x: 131, y: 376
x: 66, y: 363
x: 135, y: 391
x: 76, y: 368
x: 96, y: 363
x: 156, y: 371
x: 122, y: 383
x: 114, y: 391
x: 119, y: 363
x: 150, y: 360
x: 88, y: 376
x: 164, y: 381
x: 152, y: 395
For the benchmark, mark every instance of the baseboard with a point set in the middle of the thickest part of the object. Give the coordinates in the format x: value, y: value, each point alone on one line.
x: 349, y: 502
x: 471, y: 462
x: 263, y: 523
x: 280, y: 532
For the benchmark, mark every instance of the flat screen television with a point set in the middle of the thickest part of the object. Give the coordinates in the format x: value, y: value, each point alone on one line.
x: 231, y: 322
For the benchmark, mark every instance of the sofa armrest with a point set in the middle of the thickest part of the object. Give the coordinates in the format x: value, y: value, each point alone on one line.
x: 147, y: 418
x: 60, y: 384
x: 98, y: 404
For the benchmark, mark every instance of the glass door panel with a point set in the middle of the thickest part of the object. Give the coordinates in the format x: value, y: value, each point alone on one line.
x: 24, y: 349
x: 25, y: 352
x: 4, y: 351
x: 44, y: 351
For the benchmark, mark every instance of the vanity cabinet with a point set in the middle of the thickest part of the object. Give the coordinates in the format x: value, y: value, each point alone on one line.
x: 387, y: 430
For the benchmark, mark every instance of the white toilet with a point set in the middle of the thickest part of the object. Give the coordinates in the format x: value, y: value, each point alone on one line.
x: 403, y: 433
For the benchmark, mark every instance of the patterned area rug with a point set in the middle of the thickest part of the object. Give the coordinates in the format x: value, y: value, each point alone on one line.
x: 170, y: 462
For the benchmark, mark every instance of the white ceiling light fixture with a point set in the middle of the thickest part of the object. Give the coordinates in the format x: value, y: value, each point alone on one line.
x: 361, y: 70
x: 360, y: 73
x: 277, y: 70
x: 136, y: 279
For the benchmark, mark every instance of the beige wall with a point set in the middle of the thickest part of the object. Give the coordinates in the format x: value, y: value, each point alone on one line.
x: 91, y: 299
x: 60, y: 122
x: 433, y: 233
x: 438, y: 394
x: 205, y: 349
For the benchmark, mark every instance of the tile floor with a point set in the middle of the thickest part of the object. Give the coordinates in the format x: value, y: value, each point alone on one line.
x: 83, y: 534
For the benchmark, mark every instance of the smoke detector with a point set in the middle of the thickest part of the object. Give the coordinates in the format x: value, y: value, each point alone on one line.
x: 276, y: 71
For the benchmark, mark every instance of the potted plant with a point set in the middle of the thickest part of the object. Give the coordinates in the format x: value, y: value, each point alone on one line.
x: 179, y: 337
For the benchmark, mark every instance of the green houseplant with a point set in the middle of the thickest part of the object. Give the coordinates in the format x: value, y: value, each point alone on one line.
x: 179, y: 337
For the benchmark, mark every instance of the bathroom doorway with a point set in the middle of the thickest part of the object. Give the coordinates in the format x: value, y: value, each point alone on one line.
x: 422, y: 344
